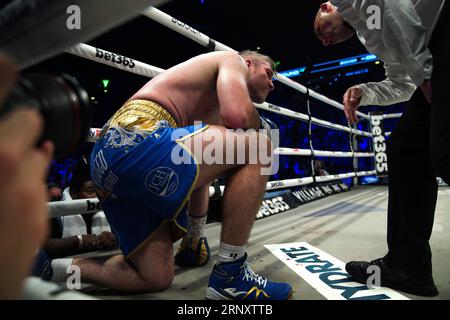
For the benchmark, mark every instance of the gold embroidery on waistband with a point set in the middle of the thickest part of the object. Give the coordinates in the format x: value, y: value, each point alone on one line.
x: 141, y: 115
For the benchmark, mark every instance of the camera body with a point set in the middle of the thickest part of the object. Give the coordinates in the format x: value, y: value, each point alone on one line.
x: 63, y: 104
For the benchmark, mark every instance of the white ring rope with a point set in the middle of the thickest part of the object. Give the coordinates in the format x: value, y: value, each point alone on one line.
x: 303, y: 117
x: 94, y: 135
x: 184, y: 29
x: 188, y: 31
x: 85, y: 206
x: 320, y: 153
x: 111, y: 59
x: 73, y: 207
x: 298, y: 182
x: 392, y: 115
x: 108, y: 58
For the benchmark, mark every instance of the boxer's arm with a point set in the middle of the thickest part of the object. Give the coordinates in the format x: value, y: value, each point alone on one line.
x: 236, y: 107
x: 397, y: 87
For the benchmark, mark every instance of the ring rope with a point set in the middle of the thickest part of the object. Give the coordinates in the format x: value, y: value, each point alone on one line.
x: 168, y: 21
x: 311, y: 147
x: 58, y: 209
x: 352, y: 139
x: 94, y: 135
x: 95, y: 54
x: 91, y: 53
x: 392, y: 115
x: 300, y: 116
x: 72, y: 207
x: 33, y: 31
x: 319, y: 153
x: 197, y: 36
x: 86, y: 206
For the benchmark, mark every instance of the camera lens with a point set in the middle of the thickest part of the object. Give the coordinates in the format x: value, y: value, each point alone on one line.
x: 63, y: 104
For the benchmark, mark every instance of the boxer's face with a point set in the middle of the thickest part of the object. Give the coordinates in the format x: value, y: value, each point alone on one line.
x: 329, y: 26
x: 260, y: 79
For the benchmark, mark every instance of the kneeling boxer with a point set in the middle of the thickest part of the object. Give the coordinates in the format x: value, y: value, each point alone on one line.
x: 151, y: 167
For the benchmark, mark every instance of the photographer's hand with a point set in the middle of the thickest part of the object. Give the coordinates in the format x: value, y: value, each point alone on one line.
x: 23, y: 209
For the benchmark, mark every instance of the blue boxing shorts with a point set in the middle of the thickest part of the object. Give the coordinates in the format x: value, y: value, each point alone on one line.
x: 145, y: 183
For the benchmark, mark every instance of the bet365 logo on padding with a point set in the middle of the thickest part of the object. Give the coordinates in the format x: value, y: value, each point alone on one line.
x: 114, y: 58
x: 379, y: 143
x: 162, y: 181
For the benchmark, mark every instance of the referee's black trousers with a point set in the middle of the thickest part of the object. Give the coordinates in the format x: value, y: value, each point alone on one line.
x: 418, y: 152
